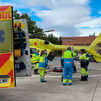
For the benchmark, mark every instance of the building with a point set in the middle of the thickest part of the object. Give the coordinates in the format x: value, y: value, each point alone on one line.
x: 78, y: 41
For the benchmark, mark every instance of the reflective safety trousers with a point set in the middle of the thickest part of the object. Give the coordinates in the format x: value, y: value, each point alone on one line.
x: 84, y: 68
x: 68, y: 72
x: 42, y: 73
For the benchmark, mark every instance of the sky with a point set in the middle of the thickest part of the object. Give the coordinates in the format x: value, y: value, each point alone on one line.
x: 66, y: 17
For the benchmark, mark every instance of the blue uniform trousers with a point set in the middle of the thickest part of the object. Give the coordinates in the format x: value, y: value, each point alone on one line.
x: 68, y: 70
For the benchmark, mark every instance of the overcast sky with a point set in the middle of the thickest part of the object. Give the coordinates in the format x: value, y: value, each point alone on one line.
x: 66, y: 17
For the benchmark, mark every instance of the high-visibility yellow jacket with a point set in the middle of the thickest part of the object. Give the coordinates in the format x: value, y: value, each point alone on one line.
x: 35, y: 58
x: 84, y: 56
x: 43, y: 62
x: 68, y: 56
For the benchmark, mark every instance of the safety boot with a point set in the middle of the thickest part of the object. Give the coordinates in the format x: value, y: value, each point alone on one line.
x: 82, y: 78
x: 69, y: 83
x: 42, y: 80
x: 64, y: 84
x: 86, y: 78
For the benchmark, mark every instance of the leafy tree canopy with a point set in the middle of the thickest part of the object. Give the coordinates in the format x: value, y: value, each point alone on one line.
x: 34, y: 30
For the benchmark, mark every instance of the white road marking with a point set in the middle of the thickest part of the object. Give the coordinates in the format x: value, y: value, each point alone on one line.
x: 49, y: 76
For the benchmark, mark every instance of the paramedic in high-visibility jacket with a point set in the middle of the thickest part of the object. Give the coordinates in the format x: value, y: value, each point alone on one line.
x: 43, y: 62
x: 35, y: 61
x: 84, y: 62
x: 68, y: 66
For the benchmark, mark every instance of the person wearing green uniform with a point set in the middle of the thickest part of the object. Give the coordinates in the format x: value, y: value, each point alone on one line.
x: 84, y: 62
x: 35, y: 61
x: 68, y: 66
x: 42, y: 65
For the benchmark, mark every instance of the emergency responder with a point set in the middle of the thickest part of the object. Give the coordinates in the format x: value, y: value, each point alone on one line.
x: 68, y: 66
x: 35, y: 61
x: 42, y: 66
x: 84, y: 62
x: 46, y: 55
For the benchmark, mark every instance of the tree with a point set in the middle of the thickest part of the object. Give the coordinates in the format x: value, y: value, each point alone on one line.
x: 16, y: 15
x: 60, y: 40
x: 34, y: 30
x: 54, y: 39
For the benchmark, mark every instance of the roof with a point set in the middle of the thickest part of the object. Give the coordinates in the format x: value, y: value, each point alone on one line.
x: 84, y: 40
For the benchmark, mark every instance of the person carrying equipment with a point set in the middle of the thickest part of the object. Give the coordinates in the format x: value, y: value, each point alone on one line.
x: 35, y: 61
x: 84, y: 62
x: 42, y: 66
x: 68, y: 66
